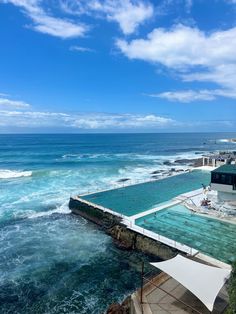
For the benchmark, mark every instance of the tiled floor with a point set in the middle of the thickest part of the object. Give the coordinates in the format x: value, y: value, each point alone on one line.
x: 160, y: 302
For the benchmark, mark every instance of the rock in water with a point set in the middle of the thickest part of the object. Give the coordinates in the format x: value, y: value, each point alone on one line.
x: 123, y: 180
x: 115, y: 308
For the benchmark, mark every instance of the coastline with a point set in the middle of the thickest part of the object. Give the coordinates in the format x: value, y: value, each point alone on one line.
x: 35, y: 215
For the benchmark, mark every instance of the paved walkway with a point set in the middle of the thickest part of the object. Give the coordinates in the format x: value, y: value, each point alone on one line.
x: 156, y: 301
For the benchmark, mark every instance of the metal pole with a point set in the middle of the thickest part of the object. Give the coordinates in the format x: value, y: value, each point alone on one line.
x: 141, y: 297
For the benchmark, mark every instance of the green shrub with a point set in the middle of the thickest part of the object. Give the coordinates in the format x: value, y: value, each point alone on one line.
x: 232, y: 291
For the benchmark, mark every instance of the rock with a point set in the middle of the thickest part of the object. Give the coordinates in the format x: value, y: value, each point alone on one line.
x: 195, y: 162
x: 115, y: 308
x: 122, y: 246
x: 156, y: 177
x: 157, y: 172
x: 198, y: 162
x: 167, y: 163
x: 179, y: 170
x: 125, y: 238
x: 184, y: 161
x: 123, y: 180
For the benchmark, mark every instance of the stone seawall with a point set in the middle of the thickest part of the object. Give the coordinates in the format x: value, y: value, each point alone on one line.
x: 123, y: 236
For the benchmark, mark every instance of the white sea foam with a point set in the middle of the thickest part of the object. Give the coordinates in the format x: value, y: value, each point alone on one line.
x: 132, y: 156
x: 224, y: 140
x: 9, y: 174
x: 62, y: 209
x: 227, y: 140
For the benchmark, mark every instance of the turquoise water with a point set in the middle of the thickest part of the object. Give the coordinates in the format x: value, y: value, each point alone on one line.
x: 138, y: 198
x: 210, y: 236
x: 51, y: 261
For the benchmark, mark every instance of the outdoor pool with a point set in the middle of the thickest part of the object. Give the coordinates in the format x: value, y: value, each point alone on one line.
x: 210, y: 236
x: 138, y: 198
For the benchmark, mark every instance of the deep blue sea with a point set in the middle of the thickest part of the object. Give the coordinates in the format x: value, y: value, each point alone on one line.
x: 52, y: 261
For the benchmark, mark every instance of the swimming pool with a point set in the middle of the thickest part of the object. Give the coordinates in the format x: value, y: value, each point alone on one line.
x: 210, y: 236
x: 138, y: 198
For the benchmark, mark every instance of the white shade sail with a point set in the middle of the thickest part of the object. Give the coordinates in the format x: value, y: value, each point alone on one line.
x: 203, y: 281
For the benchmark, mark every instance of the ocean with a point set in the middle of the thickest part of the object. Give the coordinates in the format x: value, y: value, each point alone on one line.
x: 52, y: 261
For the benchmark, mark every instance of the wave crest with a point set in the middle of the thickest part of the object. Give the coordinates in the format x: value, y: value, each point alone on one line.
x: 10, y: 174
x: 62, y: 209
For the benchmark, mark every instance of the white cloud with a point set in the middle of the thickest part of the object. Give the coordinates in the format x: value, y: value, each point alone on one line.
x: 182, y: 47
x: 223, y: 74
x: 9, y: 103
x: 57, y: 27
x: 193, y: 55
x: 129, y: 14
x: 96, y: 121
x: 81, y: 49
x: 47, y: 24
x: 185, y: 96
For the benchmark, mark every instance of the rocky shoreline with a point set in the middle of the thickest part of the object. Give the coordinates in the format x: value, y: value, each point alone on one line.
x: 174, y: 168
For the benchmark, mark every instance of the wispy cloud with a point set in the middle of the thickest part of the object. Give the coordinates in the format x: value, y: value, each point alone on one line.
x: 192, y: 54
x: 81, y: 49
x: 100, y: 122
x: 129, y: 14
x: 231, y: 1
x: 9, y: 103
x: 96, y: 121
x: 186, y: 96
x: 46, y: 23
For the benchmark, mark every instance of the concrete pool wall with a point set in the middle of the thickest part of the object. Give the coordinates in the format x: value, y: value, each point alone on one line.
x: 125, y: 230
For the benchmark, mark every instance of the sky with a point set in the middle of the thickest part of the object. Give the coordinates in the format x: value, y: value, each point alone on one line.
x: 117, y: 66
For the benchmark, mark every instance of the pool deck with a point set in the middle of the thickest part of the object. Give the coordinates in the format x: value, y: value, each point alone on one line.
x: 163, y: 294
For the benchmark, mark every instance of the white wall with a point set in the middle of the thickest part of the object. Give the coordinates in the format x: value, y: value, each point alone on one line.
x: 223, y: 188
x: 223, y: 196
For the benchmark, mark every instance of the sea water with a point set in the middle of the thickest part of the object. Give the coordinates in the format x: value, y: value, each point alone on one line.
x: 50, y: 260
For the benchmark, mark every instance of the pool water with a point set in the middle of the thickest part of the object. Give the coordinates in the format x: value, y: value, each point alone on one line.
x: 210, y: 236
x: 138, y: 198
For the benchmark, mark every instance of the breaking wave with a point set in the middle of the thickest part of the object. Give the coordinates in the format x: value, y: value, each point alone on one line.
x: 227, y: 140
x: 130, y: 157
x: 10, y: 174
x: 62, y: 209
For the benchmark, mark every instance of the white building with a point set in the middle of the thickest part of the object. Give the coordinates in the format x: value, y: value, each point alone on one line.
x: 216, y: 160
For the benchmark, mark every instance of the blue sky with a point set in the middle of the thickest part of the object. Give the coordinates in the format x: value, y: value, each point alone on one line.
x: 117, y: 65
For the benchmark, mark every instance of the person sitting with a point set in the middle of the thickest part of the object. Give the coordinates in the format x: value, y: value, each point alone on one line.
x: 205, y: 202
